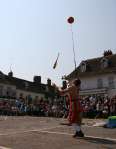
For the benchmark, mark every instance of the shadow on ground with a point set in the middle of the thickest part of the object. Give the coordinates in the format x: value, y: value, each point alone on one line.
x: 98, y: 140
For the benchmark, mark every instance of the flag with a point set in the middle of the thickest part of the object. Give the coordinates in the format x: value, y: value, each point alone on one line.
x: 56, y: 62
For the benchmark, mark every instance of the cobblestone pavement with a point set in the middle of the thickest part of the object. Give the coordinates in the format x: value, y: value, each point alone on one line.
x: 52, y: 133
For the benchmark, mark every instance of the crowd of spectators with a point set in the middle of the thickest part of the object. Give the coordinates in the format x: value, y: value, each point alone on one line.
x: 99, y: 106
x: 17, y: 107
x: 93, y: 107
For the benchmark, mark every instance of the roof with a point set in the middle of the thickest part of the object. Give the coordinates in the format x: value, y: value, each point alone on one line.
x: 22, y: 84
x: 93, y: 66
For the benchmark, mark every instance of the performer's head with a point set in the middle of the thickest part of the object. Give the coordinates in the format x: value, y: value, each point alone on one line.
x: 77, y: 82
x: 64, y: 84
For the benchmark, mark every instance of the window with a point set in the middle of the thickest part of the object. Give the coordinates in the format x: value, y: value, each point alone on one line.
x: 1, y: 90
x: 111, y: 82
x: 99, y: 83
x: 104, y: 63
x: 9, y: 91
x: 83, y: 67
x: 26, y: 85
x: 29, y: 99
x: 47, y: 89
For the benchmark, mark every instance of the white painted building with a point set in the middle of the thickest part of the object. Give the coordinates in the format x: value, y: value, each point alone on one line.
x: 13, y: 87
x: 98, y: 75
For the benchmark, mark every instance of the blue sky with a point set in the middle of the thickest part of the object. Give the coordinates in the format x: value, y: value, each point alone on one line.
x: 32, y: 32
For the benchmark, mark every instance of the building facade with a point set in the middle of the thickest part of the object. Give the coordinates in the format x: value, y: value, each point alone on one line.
x: 98, y: 75
x: 12, y: 87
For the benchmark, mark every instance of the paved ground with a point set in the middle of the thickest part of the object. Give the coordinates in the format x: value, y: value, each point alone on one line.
x: 48, y: 133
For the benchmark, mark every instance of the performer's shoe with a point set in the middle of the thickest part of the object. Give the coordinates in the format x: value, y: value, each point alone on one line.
x: 78, y: 134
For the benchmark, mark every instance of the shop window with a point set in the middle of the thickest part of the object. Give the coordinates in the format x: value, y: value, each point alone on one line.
x: 111, y: 82
x: 99, y: 83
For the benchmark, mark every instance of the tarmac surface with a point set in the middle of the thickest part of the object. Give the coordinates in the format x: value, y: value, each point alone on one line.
x: 52, y: 133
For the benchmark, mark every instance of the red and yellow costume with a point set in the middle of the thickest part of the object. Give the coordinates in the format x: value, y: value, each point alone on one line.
x: 75, y: 109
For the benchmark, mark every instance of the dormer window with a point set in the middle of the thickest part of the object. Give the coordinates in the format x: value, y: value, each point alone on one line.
x: 104, y: 63
x: 83, y: 67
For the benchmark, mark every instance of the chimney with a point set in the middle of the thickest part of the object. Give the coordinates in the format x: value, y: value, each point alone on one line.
x: 107, y: 53
x: 37, y: 79
x: 10, y: 74
x: 48, y: 82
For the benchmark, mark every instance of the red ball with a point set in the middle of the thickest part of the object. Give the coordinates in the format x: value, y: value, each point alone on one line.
x: 70, y: 20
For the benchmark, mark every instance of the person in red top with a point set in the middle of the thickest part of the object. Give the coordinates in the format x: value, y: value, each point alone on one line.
x: 75, y: 108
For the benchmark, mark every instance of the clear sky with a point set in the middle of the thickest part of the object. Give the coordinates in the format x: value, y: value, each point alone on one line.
x: 32, y: 32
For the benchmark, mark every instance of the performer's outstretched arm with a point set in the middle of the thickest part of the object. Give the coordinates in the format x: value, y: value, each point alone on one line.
x: 65, y: 91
